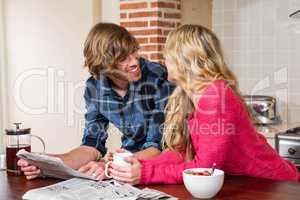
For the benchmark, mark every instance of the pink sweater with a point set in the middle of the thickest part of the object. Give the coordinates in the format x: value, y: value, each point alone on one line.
x: 221, y: 132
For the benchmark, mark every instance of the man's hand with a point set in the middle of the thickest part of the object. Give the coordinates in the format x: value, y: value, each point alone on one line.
x: 108, y: 157
x: 76, y: 158
x: 148, y: 153
x: 94, y: 169
x: 30, y: 171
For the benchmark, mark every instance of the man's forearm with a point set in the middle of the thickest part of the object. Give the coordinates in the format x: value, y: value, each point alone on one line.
x: 79, y: 156
x: 148, y: 153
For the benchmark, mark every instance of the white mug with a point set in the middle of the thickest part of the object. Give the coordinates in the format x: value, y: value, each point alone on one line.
x: 118, y: 159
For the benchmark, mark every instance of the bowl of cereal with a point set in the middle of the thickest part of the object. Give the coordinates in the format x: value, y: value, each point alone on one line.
x: 201, y: 183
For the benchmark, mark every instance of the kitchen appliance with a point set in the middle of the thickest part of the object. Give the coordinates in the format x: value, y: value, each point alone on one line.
x: 263, y: 109
x: 17, y: 139
x: 287, y: 145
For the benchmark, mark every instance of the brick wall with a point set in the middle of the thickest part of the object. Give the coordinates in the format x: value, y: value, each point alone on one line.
x: 150, y: 21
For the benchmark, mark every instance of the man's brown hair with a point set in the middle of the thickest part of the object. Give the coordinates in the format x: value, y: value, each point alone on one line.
x: 106, y: 46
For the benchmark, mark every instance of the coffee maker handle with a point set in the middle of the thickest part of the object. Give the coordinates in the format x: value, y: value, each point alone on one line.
x: 41, y: 140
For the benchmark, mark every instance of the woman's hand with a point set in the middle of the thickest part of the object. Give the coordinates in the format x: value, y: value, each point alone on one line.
x: 109, y: 156
x: 94, y: 169
x: 130, y: 175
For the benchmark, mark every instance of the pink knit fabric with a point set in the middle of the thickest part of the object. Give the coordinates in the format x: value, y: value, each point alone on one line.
x: 221, y: 132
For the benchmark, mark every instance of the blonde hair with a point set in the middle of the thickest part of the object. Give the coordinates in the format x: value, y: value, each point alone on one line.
x: 106, y: 46
x: 197, y: 57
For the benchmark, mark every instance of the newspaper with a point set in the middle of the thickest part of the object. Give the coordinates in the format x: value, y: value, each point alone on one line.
x: 51, y: 166
x: 83, y: 189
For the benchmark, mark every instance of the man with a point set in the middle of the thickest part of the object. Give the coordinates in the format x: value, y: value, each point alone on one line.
x: 125, y: 90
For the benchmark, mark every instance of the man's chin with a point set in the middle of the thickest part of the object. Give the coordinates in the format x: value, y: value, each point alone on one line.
x: 135, y: 78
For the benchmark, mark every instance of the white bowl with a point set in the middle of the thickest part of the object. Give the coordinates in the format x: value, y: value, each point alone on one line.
x: 203, y: 187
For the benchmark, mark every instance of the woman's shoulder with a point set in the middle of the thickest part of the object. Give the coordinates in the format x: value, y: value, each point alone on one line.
x: 219, y: 90
x: 217, y: 87
x: 219, y: 97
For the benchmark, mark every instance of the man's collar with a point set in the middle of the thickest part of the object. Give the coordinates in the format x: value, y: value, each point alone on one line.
x: 104, y: 86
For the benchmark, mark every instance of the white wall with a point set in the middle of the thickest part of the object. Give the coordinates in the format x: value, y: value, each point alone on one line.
x: 111, y: 11
x: 262, y: 45
x: 3, y: 90
x: 45, y: 68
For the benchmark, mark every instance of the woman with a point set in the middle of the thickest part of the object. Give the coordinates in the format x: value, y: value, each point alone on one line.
x: 207, y: 121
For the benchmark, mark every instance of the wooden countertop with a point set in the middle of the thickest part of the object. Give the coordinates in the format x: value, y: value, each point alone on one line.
x: 271, y: 131
x: 235, y: 187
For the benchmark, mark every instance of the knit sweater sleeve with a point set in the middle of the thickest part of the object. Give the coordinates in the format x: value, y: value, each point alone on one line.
x: 212, y: 130
x: 168, y: 157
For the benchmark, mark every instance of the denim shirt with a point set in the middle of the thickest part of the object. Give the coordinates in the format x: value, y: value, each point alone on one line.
x: 139, y: 115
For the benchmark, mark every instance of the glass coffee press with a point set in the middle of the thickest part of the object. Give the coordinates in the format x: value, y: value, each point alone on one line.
x: 17, y: 139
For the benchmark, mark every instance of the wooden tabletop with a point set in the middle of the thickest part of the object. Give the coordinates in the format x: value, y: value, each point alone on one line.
x: 235, y: 187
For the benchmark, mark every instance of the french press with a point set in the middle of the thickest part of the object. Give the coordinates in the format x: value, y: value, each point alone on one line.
x: 17, y: 139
